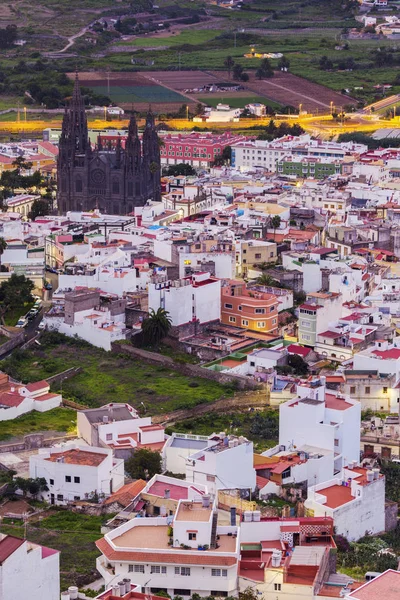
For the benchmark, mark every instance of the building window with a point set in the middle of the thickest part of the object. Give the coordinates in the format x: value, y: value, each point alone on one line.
x: 185, y: 571
x: 77, y: 479
x: 60, y: 497
x: 192, y: 536
x: 277, y: 587
x: 260, y: 324
x: 157, y: 569
x: 257, y: 255
x: 77, y: 498
x: 273, y: 321
x: 109, y: 437
x: 211, y: 478
x: 385, y: 390
x: 219, y: 594
x: 51, y: 481
x: 219, y: 572
x: 272, y: 309
x: 180, y: 592
x: 136, y: 568
x: 228, y: 306
x: 367, y: 390
x: 68, y: 478
x: 232, y: 319
x: 78, y: 185
x: 245, y: 323
x: 352, y: 389
x: 260, y: 311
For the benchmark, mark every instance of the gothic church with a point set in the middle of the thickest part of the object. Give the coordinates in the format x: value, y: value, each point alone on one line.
x: 111, y: 180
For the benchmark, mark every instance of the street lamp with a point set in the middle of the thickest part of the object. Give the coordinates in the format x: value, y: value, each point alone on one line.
x: 25, y: 113
x: 331, y: 107
x: 105, y: 113
x: 300, y: 106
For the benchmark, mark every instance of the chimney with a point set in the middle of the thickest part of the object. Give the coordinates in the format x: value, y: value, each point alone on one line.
x: 167, y: 494
x: 127, y: 585
x: 65, y: 596
x: 115, y: 590
x: 376, y: 473
x: 73, y: 592
x: 370, y: 476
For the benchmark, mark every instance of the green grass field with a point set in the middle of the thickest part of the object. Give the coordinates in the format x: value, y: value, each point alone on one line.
x: 61, y: 420
x: 139, y: 93
x: 74, y: 535
x: 108, y: 377
x: 187, y: 36
x: 259, y: 426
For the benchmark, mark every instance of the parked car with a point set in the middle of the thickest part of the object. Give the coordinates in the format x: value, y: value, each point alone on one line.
x: 22, y: 322
x: 42, y: 325
x: 32, y: 314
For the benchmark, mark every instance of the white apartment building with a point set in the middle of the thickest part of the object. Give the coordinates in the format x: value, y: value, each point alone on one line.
x: 17, y: 399
x: 321, y: 419
x: 179, y: 447
x: 224, y: 261
x: 96, y: 326
x: 383, y: 356
x: 182, y: 554
x: 226, y: 463
x: 75, y: 472
x: 355, y: 501
x: 118, y: 426
x: 109, y: 279
x: 28, y: 570
x: 197, y: 297
x: 261, y: 153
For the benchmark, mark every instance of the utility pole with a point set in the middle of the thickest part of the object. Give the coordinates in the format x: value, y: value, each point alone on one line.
x: 108, y: 81
x: 179, y: 60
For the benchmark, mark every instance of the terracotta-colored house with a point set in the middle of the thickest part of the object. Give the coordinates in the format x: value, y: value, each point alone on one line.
x: 248, y: 309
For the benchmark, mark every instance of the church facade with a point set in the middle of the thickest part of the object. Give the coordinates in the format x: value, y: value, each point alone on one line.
x: 111, y: 180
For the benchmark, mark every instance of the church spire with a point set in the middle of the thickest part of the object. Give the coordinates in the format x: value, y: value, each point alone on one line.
x: 77, y: 131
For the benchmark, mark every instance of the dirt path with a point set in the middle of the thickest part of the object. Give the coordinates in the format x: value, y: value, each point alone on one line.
x: 241, y: 401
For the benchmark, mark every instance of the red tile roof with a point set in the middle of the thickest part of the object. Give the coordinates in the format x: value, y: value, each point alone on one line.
x: 296, y: 349
x: 38, y: 385
x: 331, y: 334
x: 393, y: 353
x: 331, y: 401
x: 127, y: 493
x: 8, y: 546
x: 386, y: 585
x: 336, y: 495
x: 165, y: 558
x: 79, y: 457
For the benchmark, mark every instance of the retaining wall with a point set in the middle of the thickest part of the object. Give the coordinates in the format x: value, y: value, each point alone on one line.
x: 186, y: 369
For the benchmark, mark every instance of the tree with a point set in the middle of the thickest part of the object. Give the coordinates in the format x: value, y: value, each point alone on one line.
x: 259, y: 73
x: 228, y: 63
x: 267, y: 280
x: 40, y: 208
x: 143, y: 464
x: 180, y: 169
x: 156, y: 326
x: 325, y: 64
x: 15, y: 292
x: 298, y: 364
x: 224, y: 158
x: 244, y: 77
x: 266, y: 68
x: 276, y: 223
x: 237, y: 72
x: 283, y: 64
x: 31, y: 486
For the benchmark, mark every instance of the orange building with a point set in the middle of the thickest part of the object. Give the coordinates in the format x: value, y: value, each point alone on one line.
x: 248, y: 309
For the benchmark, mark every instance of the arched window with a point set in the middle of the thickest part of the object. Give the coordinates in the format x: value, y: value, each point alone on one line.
x: 115, y: 186
x: 78, y: 185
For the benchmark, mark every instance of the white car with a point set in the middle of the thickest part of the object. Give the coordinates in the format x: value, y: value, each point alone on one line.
x: 42, y: 325
x: 22, y: 322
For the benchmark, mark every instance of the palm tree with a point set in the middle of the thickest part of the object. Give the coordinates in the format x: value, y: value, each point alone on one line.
x: 266, y: 280
x: 228, y: 63
x: 275, y: 222
x: 156, y: 326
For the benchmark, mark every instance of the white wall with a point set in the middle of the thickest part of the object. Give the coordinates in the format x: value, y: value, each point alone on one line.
x: 25, y: 574
x: 224, y: 262
x: 105, y: 478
